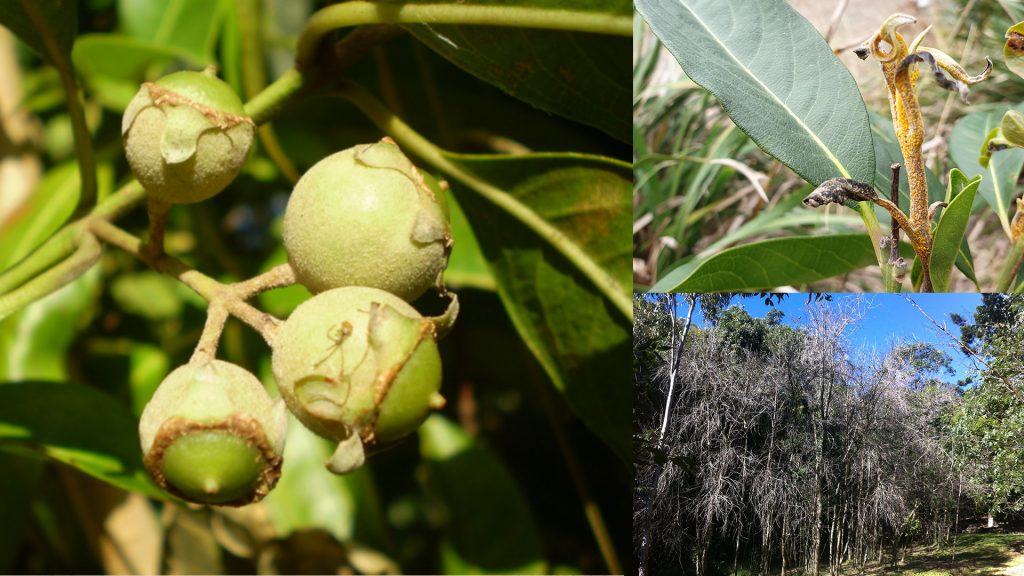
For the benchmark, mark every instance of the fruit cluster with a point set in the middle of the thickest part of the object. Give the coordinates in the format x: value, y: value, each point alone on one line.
x: 365, y: 231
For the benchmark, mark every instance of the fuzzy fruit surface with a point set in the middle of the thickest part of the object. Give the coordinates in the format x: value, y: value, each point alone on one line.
x: 365, y: 217
x: 212, y: 435
x: 358, y: 362
x: 186, y: 136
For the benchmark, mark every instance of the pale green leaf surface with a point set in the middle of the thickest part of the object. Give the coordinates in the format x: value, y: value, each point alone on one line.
x: 772, y: 263
x: 338, y: 498
x: 34, y: 341
x: 1000, y: 177
x: 777, y: 79
x: 487, y: 511
x: 949, y: 234
x: 575, y: 333
x: 49, y: 207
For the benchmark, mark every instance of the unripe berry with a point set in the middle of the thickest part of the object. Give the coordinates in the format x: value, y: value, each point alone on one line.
x: 366, y: 217
x: 186, y: 136
x: 358, y: 366
x: 211, y: 434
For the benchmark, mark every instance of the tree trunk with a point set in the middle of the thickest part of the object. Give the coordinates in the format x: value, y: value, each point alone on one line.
x: 675, y: 355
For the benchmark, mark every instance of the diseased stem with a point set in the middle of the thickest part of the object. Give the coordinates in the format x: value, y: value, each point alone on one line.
x: 210, y: 289
x: 349, y: 14
x: 413, y: 142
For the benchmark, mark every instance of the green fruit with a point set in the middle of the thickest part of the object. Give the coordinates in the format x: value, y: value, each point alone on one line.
x: 359, y: 366
x: 186, y: 136
x: 366, y: 217
x: 212, y: 435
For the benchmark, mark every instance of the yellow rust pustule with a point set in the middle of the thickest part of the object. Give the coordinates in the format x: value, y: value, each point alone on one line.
x: 899, y: 67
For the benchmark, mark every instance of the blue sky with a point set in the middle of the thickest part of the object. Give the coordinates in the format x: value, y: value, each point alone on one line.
x: 887, y: 318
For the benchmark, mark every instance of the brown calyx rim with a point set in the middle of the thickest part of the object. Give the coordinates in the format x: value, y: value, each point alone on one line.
x: 236, y: 424
x: 223, y: 120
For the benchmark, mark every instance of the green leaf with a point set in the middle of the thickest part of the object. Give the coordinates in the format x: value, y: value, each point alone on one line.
x: 578, y: 336
x: 579, y: 76
x: 282, y: 301
x: 1000, y: 177
x: 490, y: 528
x: 1013, y: 50
x: 148, y: 294
x: 467, y: 267
x: 48, y: 26
x: 776, y: 77
x: 949, y: 234
x: 190, y: 26
x: 34, y: 342
x: 1012, y: 128
x: 52, y: 203
x: 115, y: 65
x: 772, y: 263
x: 77, y: 425
x: 308, y: 496
x: 965, y: 262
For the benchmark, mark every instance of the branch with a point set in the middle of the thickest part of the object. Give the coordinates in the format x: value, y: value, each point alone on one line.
x: 349, y: 14
x: 1006, y: 381
x: 211, y: 290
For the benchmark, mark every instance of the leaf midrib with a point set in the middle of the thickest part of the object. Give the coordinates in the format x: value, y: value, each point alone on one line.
x: 814, y: 137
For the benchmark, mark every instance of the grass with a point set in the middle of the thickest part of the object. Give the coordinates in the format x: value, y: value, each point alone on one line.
x: 976, y: 554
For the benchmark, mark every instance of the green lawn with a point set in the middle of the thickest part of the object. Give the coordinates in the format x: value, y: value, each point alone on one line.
x: 976, y: 554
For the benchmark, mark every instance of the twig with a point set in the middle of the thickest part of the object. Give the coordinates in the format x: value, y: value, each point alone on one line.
x: 1006, y: 381
x: 210, y: 289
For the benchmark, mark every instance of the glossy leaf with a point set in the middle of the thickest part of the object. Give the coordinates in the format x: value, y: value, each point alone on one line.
x: 776, y: 77
x: 341, y: 501
x: 114, y: 65
x: 575, y: 333
x: 490, y: 528
x: 48, y: 26
x: 772, y: 263
x: 77, y: 425
x: 51, y: 204
x: 573, y: 75
x: 467, y: 267
x: 188, y: 25
x: 34, y: 341
x: 949, y: 234
x: 1000, y: 177
x: 282, y: 301
x: 1013, y: 50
